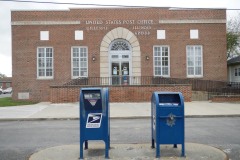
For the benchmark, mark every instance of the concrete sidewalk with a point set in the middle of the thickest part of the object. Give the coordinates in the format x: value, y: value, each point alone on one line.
x: 194, y: 151
x: 46, y: 110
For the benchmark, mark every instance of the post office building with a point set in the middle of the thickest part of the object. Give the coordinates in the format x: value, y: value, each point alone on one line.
x: 121, y: 47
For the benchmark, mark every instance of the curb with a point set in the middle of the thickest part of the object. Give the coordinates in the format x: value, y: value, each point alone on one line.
x: 131, y: 151
x: 134, y: 117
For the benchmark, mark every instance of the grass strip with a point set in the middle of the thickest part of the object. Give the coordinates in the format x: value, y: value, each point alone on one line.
x: 8, y: 101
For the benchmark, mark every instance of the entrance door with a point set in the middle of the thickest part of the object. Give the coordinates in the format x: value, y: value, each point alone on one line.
x: 120, y: 73
x: 120, y: 62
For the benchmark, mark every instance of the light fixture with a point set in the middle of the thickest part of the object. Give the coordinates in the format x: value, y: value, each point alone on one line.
x: 93, y: 58
x: 147, y: 58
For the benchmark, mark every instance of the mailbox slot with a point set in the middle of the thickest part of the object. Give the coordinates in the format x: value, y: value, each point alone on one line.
x: 169, y: 100
x: 92, y: 99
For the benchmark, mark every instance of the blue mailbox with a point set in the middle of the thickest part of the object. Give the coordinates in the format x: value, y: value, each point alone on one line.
x: 167, y: 120
x: 94, y: 117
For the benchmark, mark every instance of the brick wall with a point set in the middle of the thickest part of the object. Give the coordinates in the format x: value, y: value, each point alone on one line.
x: 229, y: 98
x: 26, y: 39
x: 61, y: 94
x: 5, y: 82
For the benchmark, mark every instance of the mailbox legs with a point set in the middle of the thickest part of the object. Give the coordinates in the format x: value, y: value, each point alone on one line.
x: 153, y: 144
x: 86, y: 145
x: 157, y: 150
x: 81, y: 149
x: 107, y: 146
x: 107, y: 149
x: 183, y: 150
x: 175, y: 146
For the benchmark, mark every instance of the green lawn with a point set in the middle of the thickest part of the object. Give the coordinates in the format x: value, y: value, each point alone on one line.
x: 7, y: 101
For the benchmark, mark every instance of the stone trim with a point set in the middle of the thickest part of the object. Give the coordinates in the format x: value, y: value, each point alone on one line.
x: 192, y: 21
x: 25, y: 23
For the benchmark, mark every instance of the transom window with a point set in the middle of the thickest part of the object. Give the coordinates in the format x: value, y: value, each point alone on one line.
x: 114, y: 56
x: 120, y: 50
x: 79, y: 62
x: 45, y: 62
x: 120, y: 45
x: 161, y: 61
x: 194, y: 61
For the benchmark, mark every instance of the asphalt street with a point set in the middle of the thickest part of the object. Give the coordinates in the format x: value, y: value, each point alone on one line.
x: 19, y: 139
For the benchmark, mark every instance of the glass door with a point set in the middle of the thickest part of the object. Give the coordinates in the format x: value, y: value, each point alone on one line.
x: 125, y: 73
x: 120, y: 73
x: 115, y: 73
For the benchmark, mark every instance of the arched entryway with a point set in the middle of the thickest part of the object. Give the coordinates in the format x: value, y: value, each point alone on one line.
x: 121, y: 46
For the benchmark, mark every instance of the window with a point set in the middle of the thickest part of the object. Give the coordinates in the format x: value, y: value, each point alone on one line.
x: 45, y: 62
x: 79, y: 62
x: 236, y: 72
x: 194, y: 61
x: 161, y: 61
x: 120, y: 45
x: 125, y: 56
x: 8, y: 85
x: 114, y: 56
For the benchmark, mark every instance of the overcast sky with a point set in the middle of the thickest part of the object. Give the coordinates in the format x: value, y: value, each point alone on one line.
x: 6, y: 7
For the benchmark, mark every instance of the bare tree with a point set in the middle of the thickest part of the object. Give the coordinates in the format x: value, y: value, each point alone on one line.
x: 2, y: 75
x: 233, y: 36
x: 233, y: 24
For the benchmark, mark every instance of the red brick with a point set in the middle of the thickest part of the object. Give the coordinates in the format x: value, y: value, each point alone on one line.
x: 25, y: 40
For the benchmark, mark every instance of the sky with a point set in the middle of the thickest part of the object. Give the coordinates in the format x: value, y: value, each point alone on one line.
x: 7, y: 6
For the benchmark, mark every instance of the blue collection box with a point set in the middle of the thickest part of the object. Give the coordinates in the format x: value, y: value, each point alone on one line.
x: 167, y: 119
x: 94, y: 117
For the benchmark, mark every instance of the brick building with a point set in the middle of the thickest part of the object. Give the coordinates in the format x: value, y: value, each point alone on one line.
x: 119, y: 45
x: 5, y: 82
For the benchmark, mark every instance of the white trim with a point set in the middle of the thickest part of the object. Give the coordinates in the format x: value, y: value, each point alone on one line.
x: 73, y: 77
x: 78, y: 35
x: 161, y: 60
x: 194, y: 34
x: 44, y: 35
x: 230, y: 73
x: 45, y: 77
x: 182, y: 21
x: 39, y: 10
x: 25, y: 23
x: 194, y: 76
x: 161, y: 34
